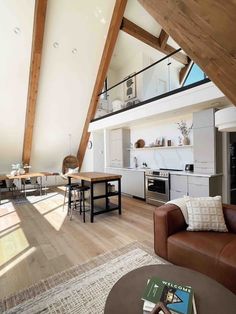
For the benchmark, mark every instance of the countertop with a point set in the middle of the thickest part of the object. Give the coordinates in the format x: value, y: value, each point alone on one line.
x: 183, y: 173
x: 196, y: 174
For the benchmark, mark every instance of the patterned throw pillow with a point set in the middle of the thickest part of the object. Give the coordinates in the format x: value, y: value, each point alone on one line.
x: 205, y: 214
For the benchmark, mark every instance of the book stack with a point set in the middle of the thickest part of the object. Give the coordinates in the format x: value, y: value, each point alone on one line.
x: 176, y: 298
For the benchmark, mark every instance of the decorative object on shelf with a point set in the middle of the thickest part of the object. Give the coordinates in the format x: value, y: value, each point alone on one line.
x: 17, y: 169
x: 185, y: 130
x: 130, y: 88
x: 90, y: 144
x: 117, y: 104
x: 180, y: 141
x: 160, y: 141
x: 140, y: 143
x: 132, y: 103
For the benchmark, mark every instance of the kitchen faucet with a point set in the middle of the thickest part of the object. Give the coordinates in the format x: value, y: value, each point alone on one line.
x: 136, y: 162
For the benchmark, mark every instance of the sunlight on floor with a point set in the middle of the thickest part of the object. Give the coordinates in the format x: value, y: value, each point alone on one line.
x: 17, y: 260
x: 12, y: 244
x: 56, y: 218
x: 46, y: 207
x: 8, y: 217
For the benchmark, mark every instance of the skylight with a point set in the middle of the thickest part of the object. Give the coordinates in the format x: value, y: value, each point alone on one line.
x: 195, y: 75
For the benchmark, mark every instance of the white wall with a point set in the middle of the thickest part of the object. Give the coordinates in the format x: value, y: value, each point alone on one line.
x: 161, y: 158
x: 66, y: 78
x: 94, y: 156
x: 14, y: 72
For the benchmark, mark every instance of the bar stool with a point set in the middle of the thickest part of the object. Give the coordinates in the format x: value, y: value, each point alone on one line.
x: 80, y: 190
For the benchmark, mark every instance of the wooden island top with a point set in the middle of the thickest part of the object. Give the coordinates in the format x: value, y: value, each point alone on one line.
x: 94, y: 176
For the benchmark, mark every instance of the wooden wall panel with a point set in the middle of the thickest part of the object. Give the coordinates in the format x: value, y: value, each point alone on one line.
x: 112, y: 35
x: 36, y: 53
x: 205, y: 30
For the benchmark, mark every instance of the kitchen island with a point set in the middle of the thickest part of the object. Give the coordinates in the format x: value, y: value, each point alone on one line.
x: 92, y: 179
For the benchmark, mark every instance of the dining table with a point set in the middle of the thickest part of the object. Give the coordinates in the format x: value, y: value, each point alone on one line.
x: 91, y: 179
x: 27, y: 176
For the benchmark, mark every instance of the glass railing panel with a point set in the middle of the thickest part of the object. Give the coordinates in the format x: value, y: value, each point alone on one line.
x: 154, y: 79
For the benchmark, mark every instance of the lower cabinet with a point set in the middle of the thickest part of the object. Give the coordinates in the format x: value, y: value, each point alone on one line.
x: 195, y: 186
x: 132, y: 181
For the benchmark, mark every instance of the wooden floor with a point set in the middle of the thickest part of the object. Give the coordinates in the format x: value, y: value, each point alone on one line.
x: 38, y: 240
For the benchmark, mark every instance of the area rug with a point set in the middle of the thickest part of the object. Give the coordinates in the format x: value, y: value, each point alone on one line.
x: 83, y: 288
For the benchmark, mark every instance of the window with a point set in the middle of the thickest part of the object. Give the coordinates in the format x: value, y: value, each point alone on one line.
x: 194, y: 75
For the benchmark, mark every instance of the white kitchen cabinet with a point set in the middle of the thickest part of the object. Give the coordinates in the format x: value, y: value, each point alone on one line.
x: 205, y: 140
x: 179, y: 183
x: 132, y: 181
x: 118, y: 148
x: 198, y: 186
x: 204, y: 150
x: 178, y: 186
x: 195, y: 186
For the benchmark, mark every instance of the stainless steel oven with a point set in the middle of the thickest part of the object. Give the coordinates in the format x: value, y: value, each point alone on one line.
x: 157, y: 187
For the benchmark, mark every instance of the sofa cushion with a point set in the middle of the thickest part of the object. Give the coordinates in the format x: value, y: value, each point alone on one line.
x: 198, y: 250
x: 205, y: 214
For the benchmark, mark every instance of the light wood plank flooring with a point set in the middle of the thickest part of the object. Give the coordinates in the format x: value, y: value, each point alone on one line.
x: 37, y: 239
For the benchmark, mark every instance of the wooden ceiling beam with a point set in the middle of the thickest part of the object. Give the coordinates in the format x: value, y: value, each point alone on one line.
x: 36, y: 54
x: 151, y: 40
x: 205, y: 32
x: 163, y: 37
x: 112, y: 35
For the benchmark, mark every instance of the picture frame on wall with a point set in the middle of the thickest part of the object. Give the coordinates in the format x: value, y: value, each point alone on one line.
x: 129, y: 87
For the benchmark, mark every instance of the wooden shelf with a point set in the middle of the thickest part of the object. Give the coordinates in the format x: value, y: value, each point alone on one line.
x: 162, y: 147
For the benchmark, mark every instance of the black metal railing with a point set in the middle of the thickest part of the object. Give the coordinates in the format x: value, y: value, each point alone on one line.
x: 156, y: 80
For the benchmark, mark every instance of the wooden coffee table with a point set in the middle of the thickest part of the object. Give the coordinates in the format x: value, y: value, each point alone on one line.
x: 210, y: 296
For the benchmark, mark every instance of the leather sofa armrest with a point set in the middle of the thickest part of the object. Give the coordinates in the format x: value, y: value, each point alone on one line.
x: 168, y: 219
x: 230, y: 217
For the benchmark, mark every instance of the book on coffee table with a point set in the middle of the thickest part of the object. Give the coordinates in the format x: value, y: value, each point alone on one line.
x: 178, y: 299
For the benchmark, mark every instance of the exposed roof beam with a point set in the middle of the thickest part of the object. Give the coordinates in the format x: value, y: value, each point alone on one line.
x: 112, y: 35
x: 184, y: 71
x: 163, y: 37
x: 149, y: 39
x: 36, y: 54
x: 205, y: 32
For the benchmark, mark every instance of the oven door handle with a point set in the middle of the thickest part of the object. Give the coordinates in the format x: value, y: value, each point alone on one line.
x: 156, y: 178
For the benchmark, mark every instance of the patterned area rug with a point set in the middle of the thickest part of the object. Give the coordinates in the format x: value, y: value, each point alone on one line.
x: 83, y: 288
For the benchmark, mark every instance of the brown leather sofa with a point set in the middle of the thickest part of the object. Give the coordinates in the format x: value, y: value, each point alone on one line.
x: 211, y: 253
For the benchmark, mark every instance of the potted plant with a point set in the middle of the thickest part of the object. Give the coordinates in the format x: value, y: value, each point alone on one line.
x: 185, y: 130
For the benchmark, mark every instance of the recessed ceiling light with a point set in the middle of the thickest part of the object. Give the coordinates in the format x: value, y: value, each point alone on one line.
x: 55, y: 44
x: 17, y: 30
x: 74, y: 50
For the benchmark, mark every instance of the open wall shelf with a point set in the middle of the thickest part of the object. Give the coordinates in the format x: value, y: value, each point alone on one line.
x: 161, y: 147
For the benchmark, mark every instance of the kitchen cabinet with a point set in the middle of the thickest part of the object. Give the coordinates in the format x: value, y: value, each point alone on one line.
x: 132, y: 181
x: 195, y: 186
x: 206, y: 139
x: 119, y: 144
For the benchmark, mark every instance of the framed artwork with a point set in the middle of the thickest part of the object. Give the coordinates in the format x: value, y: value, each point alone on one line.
x: 130, y: 88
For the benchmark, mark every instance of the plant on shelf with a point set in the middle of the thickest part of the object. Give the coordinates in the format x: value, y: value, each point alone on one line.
x: 185, y: 130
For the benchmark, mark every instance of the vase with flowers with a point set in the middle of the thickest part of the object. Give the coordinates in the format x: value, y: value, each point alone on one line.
x: 185, y: 130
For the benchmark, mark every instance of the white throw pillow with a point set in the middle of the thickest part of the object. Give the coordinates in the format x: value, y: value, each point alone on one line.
x: 71, y: 170
x: 205, y: 214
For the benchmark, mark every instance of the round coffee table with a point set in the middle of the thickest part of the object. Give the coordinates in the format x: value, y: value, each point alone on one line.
x: 210, y: 296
